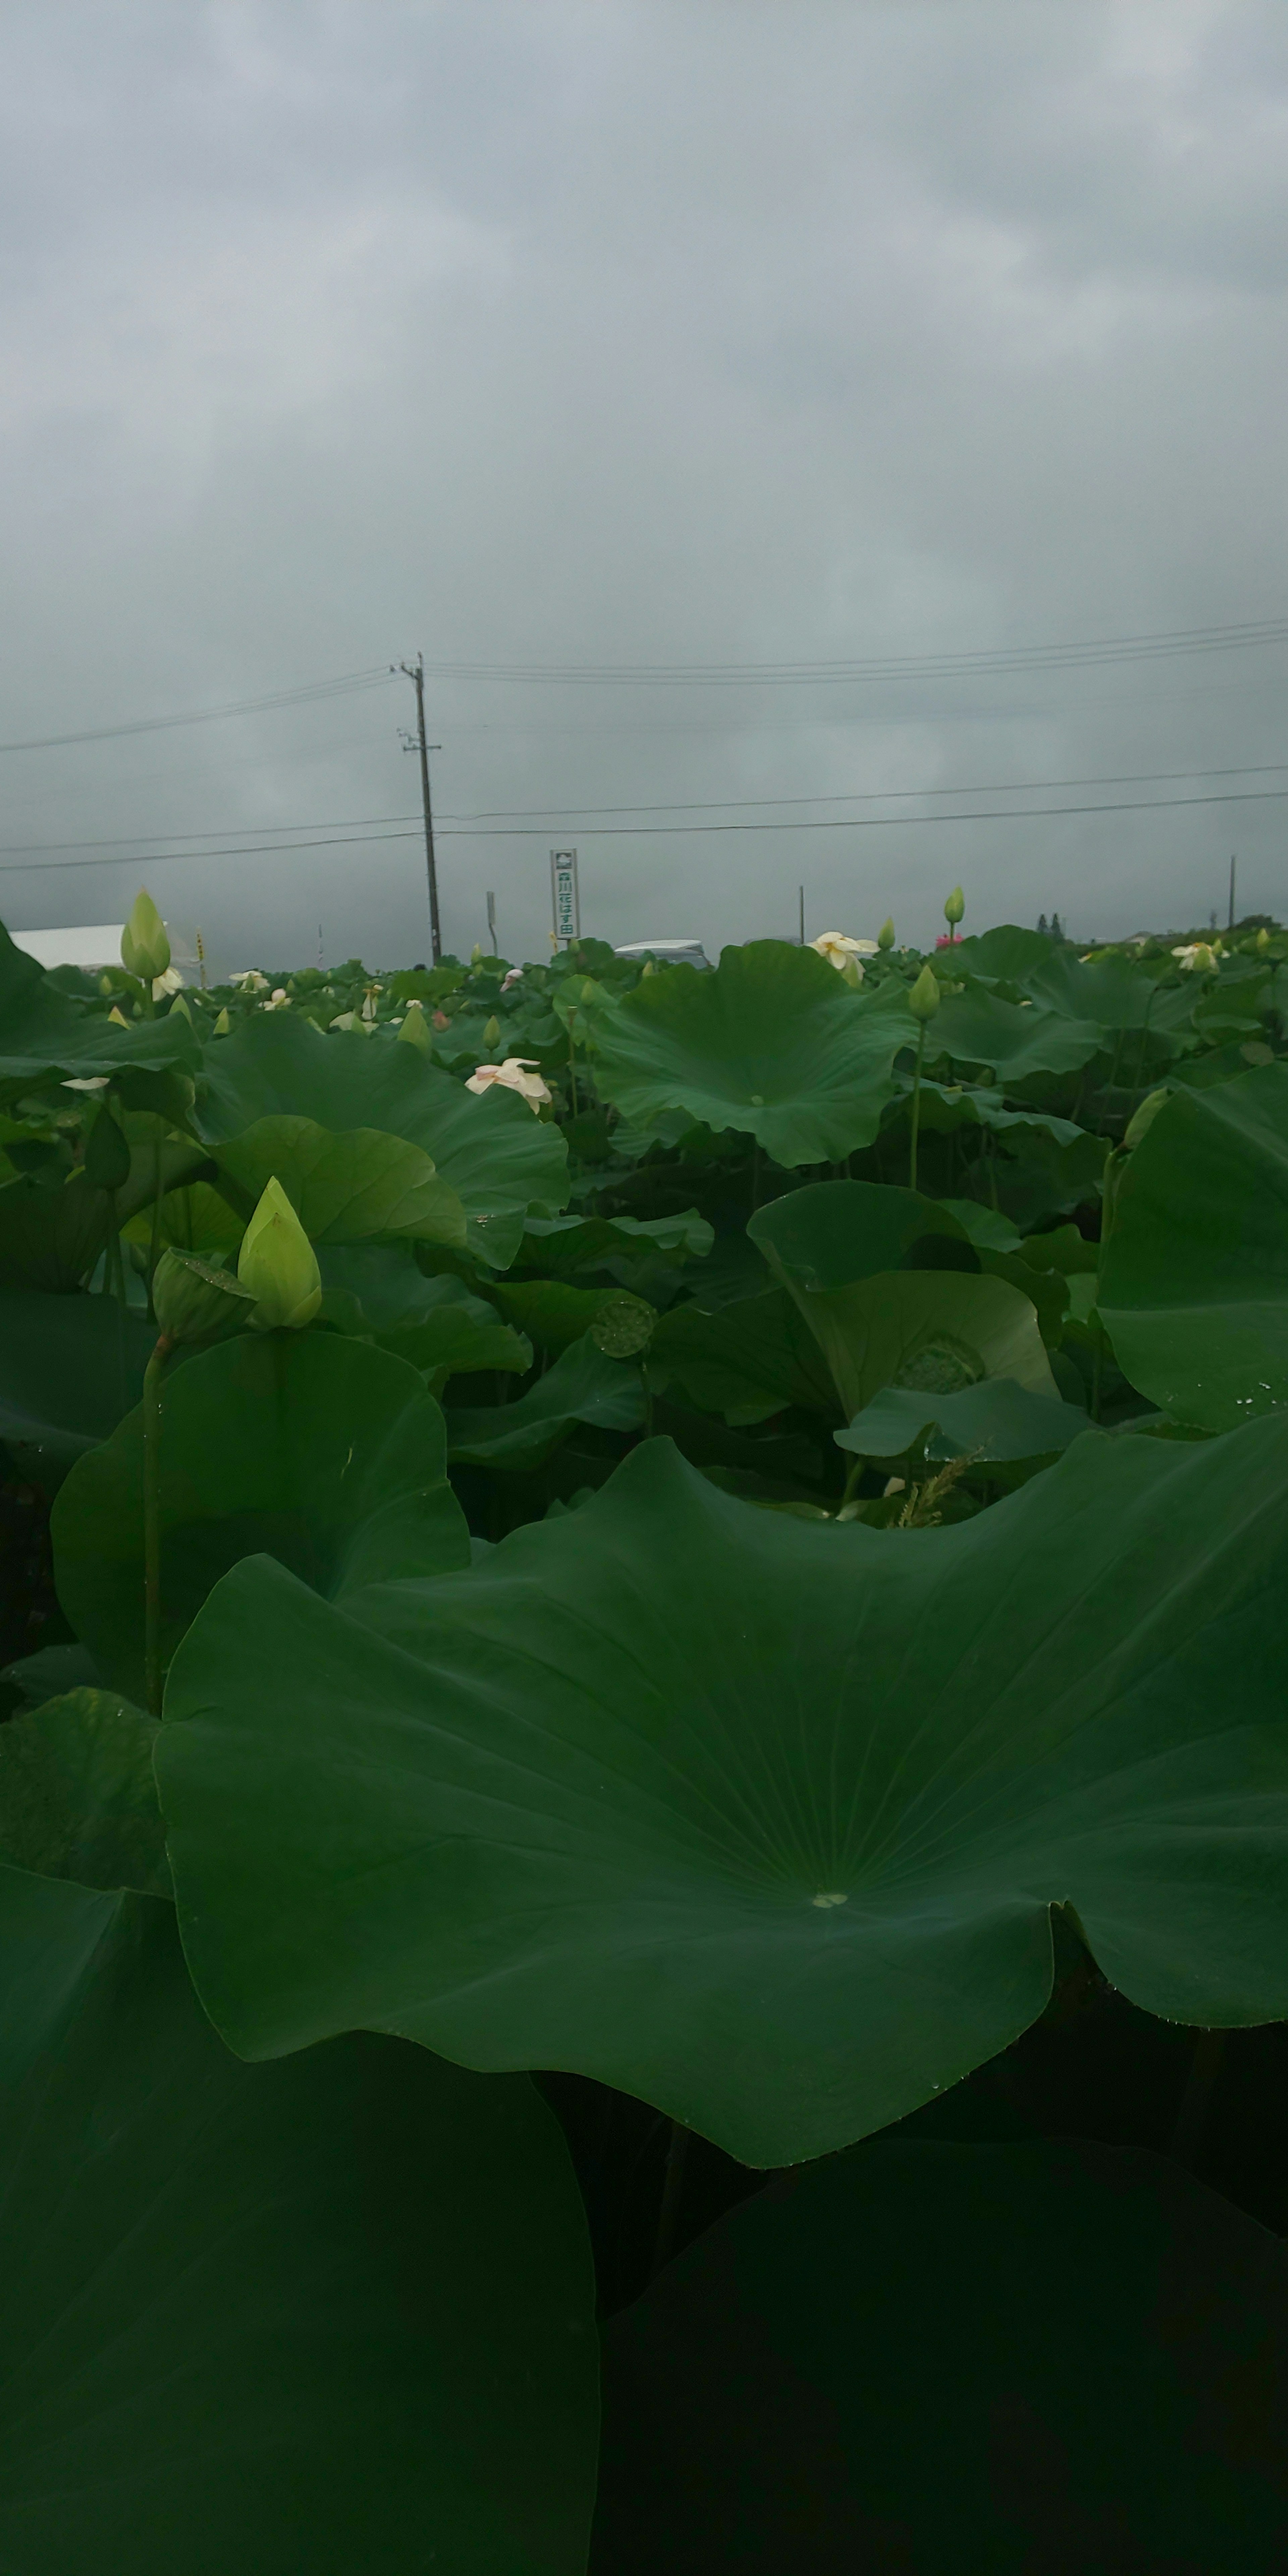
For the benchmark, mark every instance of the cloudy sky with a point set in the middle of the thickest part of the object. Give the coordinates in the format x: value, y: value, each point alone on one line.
x: 644, y: 343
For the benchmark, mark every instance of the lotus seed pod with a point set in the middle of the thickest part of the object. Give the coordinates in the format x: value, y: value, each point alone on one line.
x: 193, y: 1301
x: 623, y: 1328
x: 1142, y: 1120
x: 923, y: 1000
x: 885, y: 935
x: 107, y: 1156
x: 415, y: 1028
x: 145, y: 949
x: 955, y: 907
x: 492, y: 1031
x: 278, y: 1265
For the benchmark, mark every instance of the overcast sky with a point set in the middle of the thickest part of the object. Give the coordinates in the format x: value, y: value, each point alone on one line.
x: 574, y: 332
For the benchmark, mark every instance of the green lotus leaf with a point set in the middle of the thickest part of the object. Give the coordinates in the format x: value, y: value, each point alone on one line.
x: 835, y: 1232
x: 552, y: 1312
x: 936, y: 1330
x: 77, y: 1796
x: 933, y: 2357
x: 756, y: 1818
x: 45, y: 1036
x: 193, y: 1217
x: 1113, y: 992
x: 774, y: 1044
x: 345, y: 1188
x: 1194, y: 1278
x: 334, y: 2314
x: 569, y: 1243
x: 501, y: 1161
x: 746, y: 1361
x: 52, y: 1231
x: 70, y: 1367
x: 1016, y: 1038
x: 994, y: 1422
x: 582, y: 1385
x: 324, y: 1452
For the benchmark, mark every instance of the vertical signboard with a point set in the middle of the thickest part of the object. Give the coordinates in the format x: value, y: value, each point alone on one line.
x: 564, y: 895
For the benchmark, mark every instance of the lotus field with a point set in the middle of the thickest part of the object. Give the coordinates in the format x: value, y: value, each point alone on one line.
x: 644, y: 1790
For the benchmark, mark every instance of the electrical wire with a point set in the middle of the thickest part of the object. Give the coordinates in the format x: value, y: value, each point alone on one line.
x: 376, y: 678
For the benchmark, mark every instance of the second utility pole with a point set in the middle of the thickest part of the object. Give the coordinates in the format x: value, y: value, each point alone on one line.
x: 416, y: 675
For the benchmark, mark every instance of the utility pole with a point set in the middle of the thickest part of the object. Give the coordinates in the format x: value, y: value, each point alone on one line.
x: 1230, y: 924
x: 416, y: 674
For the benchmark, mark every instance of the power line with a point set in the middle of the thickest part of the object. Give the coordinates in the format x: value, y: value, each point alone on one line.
x: 1245, y: 635
x: 377, y: 677
x: 665, y: 831
x: 549, y: 816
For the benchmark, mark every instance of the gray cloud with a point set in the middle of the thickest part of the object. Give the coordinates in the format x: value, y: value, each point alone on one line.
x: 603, y: 334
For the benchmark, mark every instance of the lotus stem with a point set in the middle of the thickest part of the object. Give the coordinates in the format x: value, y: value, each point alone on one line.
x: 153, y: 1375
x: 672, y: 2192
x: 916, y: 1106
x: 1144, y: 1037
x: 154, y: 1246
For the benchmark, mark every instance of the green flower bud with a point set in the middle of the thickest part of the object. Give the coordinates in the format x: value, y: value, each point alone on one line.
x: 623, y: 1328
x: 476, y: 955
x: 278, y: 1265
x: 492, y: 1032
x: 1143, y: 1119
x: 1263, y: 940
x: 415, y: 1028
x: 145, y: 949
x: 222, y: 1024
x: 107, y: 1155
x: 885, y: 935
x: 194, y: 1302
x: 179, y: 1004
x: 955, y: 907
x: 923, y: 1000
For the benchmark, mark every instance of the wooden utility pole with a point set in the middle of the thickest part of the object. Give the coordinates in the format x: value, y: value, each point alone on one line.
x: 1230, y: 924
x: 416, y: 674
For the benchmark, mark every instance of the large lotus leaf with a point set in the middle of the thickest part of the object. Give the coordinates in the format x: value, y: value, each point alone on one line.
x: 582, y: 1385
x: 1028, y: 2359
x: 195, y: 1218
x: 345, y: 1188
x: 52, y: 1231
x: 379, y: 1290
x: 746, y: 1361
x: 1016, y: 1038
x: 324, y: 1452
x: 1194, y: 1278
x: 774, y: 1043
x: 334, y: 2314
x: 500, y: 1160
x: 995, y: 1423
x: 77, y: 1796
x: 44, y: 1034
x: 759, y: 1819
x: 569, y: 1243
x: 70, y: 1367
x: 834, y: 1232
x: 552, y: 1312
x: 1114, y: 992
x: 935, y: 1330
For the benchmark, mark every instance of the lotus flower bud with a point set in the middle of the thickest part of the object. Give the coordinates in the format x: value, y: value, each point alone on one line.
x: 476, y: 955
x: 107, y: 1155
x: 414, y: 1028
x: 885, y: 935
x: 1263, y: 940
x: 278, y: 1265
x: 923, y: 1000
x: 492, y: 1032
x: 179, y: 1004
x: 222, y: 1024
x: 145, y: 949
x: 1143, y: 1118
x: 118, y: 1016
x: 955, y: 907
x: 193, y: 1302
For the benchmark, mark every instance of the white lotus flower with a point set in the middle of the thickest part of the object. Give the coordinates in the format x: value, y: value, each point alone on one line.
x: 170, y: 982
x: 845, y: 954
x: 518, y: 1073
x: 1200, y: 954
x: 279, y: 999
x: 514, y: 977
x: 251, y: 980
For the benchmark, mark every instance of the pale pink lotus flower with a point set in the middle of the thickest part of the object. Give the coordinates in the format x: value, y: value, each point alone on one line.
x: 845, y: 954
x: 518, y: 1073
